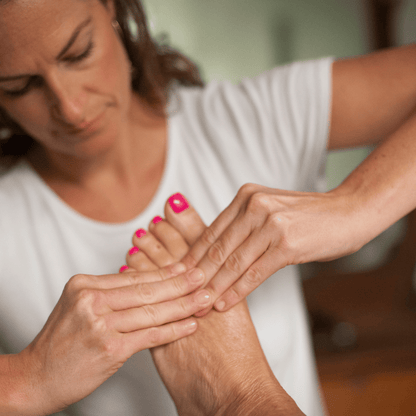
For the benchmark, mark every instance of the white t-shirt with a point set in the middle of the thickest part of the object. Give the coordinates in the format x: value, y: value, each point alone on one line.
x: 270, y: 130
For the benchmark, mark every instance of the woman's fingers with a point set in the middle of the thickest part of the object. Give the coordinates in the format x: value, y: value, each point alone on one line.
x: 256, y: 274
x: 145, y: 293
x: 241, y: 208
x: 152, y: 315
x: 237, y: 262
x: 153, y: 337
x: 131, y: 277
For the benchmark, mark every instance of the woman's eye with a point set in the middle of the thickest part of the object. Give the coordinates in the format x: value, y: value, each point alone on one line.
x: 33, y: 82
x: 82, y: 56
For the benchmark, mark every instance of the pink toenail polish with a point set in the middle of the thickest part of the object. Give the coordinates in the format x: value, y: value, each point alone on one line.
x: 123, y: 269
x: 140, y: 233
x: 157, y: 219
x: 134, y: 250
x: 178, y: 203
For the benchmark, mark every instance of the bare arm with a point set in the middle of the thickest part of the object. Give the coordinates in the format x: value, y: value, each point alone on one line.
x: 372, y: 96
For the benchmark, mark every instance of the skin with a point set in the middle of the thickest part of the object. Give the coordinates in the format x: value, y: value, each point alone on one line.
x: 204, y: 373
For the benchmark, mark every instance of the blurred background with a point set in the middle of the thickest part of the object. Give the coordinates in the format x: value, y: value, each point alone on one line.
x: 363, y: 307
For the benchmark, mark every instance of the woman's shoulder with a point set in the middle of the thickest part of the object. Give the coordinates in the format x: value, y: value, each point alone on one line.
x: 287, y: 83
x: 12, y: 179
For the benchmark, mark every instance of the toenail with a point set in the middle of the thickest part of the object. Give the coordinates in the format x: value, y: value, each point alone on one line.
x: 123, y: 269
x: 157, y: 219
x: 178, y: 203
x: 140, y: 233
x: 134, y: 250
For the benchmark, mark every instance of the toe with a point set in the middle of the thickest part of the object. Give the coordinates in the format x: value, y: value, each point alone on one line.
x: 182, y: 216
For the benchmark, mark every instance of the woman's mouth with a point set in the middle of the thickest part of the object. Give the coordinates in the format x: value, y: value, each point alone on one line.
x: 87, y: 127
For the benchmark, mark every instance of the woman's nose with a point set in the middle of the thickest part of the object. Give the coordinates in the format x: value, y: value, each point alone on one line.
x: 68, y: 100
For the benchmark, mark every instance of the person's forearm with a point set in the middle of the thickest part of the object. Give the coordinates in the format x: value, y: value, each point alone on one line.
x: 383, y: 188
x: 19, y: 395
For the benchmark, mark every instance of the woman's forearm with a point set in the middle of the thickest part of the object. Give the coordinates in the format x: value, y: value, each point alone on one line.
x: 382, y: 189
x: 19, y: 394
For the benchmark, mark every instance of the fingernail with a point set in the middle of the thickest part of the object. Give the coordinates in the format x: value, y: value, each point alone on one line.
x: 203, y: 297
x: 178, y: 268
x: 190, y: 326
x: 178, y: 203
x: 196, y: 275
x: 134, y: 250
x: 220, y: 305
x: 140, y: 233
x: 157, y: 219
x: 123, y: 269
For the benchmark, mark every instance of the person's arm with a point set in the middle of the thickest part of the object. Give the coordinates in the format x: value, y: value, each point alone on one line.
x: 98, y: 323
x: 265, y: 229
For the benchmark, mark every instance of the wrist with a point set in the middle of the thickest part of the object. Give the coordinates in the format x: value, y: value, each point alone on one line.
x: 21, y: 392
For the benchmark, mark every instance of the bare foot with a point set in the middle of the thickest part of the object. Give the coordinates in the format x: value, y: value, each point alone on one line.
x: 221, y: 368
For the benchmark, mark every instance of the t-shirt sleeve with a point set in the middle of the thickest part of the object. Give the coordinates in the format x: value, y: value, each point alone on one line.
x: 293, y: 103
x: 273, y: 127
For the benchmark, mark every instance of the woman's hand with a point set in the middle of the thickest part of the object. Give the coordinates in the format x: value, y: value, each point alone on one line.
x: 264, y: 230
x: 98, y: 323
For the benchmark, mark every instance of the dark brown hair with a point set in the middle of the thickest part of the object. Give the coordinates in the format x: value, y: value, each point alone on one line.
x: 156, y: 68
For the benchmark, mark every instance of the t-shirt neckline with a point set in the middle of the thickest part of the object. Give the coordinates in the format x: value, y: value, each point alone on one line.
x: 160, y: 194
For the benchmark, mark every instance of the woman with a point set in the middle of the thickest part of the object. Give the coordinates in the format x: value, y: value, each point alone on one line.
x: 109, y: 134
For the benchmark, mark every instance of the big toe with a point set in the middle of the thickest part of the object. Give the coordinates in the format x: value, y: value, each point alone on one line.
x: 182, y: 215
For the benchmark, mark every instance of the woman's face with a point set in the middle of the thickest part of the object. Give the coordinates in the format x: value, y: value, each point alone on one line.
x: 64, y: 74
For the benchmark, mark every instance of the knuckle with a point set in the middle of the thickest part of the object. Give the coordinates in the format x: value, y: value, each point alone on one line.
x: 99, y: 326
x: 146, y: 292
x: 216, y: 254
x: 85, y: 295
x: 246, y: 190
x: 151, y: 314
x: 253, y: 278
x: 154, y: 336
x: 232, y: 264
x: 76, y: 282
x: 179, y: 283
x: 208, y: 237
x: 258, y: 202
x: 191, y: 260
x: 110, y: 348
x: 275, y: 220
x: 164, y: 273
x: 88, y: 298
